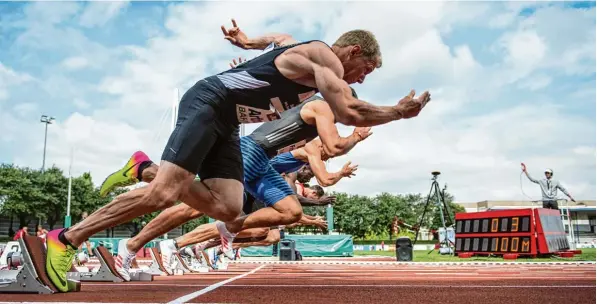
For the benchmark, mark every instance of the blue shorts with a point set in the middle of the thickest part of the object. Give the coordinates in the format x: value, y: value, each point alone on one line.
x: 260, y: 178
x: 286, y: 163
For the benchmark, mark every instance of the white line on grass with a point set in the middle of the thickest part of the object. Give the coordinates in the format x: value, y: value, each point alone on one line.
x: 195, y: 294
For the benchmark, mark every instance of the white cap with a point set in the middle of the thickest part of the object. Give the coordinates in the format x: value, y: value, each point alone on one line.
x: 548, y: 171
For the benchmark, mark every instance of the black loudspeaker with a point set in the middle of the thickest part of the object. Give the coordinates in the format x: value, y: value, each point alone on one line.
x: 404, y: 249
x: 287, y: 250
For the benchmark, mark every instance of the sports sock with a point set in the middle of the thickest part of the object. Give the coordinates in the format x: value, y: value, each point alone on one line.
x: 63, y: 239
x: 144, y: 165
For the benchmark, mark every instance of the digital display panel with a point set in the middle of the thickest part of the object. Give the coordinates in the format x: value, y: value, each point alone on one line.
x: 494, y: 225
x: 494, y: 244
x: 496, y: 232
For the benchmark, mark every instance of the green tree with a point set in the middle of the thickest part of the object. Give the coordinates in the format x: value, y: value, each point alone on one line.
x: 353, y: 214
x: 84, y: 196
x: 20, y: 193
x: 190, y: 225
x: 387, y: 206
x: 55, y: 194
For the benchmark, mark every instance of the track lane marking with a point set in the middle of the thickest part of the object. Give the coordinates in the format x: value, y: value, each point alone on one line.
x: 207, y: 289
x: 356, y: 285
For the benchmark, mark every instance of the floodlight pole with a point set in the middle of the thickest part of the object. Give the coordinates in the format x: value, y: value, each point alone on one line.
x: 47, y: 120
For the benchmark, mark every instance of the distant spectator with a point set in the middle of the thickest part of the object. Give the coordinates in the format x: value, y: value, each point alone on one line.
x: 41, y: 232
x: 20, y: 233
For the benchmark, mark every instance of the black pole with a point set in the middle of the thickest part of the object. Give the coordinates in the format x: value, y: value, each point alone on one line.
x: 423, y: 215
x: 43, y: 164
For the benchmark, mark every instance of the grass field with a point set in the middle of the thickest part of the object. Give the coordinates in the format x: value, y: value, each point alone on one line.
x: 588, y: 254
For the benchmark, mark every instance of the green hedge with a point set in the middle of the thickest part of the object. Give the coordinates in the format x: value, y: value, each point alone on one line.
x: 375, y: 242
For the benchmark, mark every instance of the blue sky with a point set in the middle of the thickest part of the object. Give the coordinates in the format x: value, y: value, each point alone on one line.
x: 510, y: 81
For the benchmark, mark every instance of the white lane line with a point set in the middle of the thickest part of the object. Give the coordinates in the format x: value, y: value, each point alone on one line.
x: 86, y: 303
x: 195, y: 294
x: 365, y: 285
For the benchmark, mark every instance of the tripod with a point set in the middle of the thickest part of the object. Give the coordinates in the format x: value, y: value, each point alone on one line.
x: 435, y: 192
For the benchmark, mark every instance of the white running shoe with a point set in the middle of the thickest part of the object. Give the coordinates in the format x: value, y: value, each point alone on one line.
x: 203, y: 256
x: 200, y: 254
x: 227, y: 238
x: 167, y: 251
x: 123, y: 260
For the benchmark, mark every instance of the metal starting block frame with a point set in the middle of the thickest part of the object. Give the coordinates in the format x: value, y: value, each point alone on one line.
x: 31, y: 277
x: 181, y: 267
x: 107, y: 270
x: 193, y: 269
x: 103, y: 274
x: 156, y: 267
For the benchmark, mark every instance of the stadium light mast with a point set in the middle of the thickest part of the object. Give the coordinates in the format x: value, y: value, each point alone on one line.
x: 47, y: 120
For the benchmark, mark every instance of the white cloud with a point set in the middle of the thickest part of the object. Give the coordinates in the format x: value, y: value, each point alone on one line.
x: 25, y: 109
x: 81, y: 104
x: 8, y: 78
x: 99, y: 13
x: 75, y: 63
x: 536, y: 82
x: 571, y: 39
x: 524, y: 51
x: 479, y: 156
x: 478, y: 149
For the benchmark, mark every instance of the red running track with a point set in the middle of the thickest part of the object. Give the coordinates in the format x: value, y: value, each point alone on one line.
x: 321, y: 283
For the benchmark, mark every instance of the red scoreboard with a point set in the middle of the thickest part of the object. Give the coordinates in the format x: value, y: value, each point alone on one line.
x: 521, y: 231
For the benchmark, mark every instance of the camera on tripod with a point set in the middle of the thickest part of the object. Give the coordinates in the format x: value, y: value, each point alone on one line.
x: 445, y: 232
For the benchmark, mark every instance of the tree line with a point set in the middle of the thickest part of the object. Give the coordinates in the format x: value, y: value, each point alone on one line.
x: 28, y: 194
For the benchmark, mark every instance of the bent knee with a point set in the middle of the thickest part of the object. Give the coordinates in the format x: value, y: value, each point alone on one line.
x: 291, y: 216
x: 227, y: 211
x: 262, y: 231
x: 273, y: 238
x: 290, y: 211
x: 228, y: 216
x: 229, y: 202
x: 162, y: 197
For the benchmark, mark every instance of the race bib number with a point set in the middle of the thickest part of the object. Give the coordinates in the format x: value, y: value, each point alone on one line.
x: 246, y: 114
x: 293, y: 146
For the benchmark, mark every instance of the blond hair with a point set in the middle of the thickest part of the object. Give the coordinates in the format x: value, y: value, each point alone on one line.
x: 366, y: 40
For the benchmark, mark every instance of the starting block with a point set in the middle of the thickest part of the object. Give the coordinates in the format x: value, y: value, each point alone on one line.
x: 183, y: 265
x: 156, y: 267
x: 192, y: 262
x: 12, y: 246
x: 107, y: 270
x: 105, y: 273
x: 180, y: 267
x: 31, y: 277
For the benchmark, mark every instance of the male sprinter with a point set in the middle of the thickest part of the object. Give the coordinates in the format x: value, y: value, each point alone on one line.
x: 181, y: 213
x: 296, y: 127
x: 255, y: 236
x: 206, y: 142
